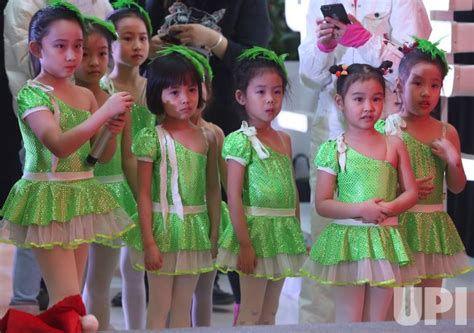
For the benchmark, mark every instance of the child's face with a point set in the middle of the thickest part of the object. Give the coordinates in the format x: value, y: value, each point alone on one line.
x: 131, y: 48
x: 263, y: 97
x: 421, y: 90
x: 362, y: 104
x: 180, y: 101
x: 60, y: 51
x: 94, y: 60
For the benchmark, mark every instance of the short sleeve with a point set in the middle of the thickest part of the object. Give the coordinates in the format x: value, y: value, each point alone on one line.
x: 32, y: 99
x: 237, y: 147
x: 326, y: 159
x: 380, y: 126
x: 146, y: 146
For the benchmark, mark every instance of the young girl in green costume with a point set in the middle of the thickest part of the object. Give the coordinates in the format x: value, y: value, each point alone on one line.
x: 434, y: 150
x: 264, y: 243
x: 179, y: 193
x: 103, y: 260
x: 130, y: 51
x: 58, y: 206
x: 362, y: 252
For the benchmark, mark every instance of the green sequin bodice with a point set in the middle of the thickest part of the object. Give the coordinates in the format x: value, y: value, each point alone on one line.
x: 38, y: 158
x: 425, y: 164
x: 364, y: 178
x: 268, y: 183
x: 114, y: 166
x: 191, y: 169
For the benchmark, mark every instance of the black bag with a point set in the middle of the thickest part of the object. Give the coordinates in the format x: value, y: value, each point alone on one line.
x: 302, y: 182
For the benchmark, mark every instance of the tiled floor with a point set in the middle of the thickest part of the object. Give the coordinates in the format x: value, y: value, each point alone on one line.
x: 222, y: 317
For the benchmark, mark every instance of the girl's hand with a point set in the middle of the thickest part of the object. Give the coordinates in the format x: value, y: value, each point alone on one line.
x: 444, y: 149
x: 373, y: 211
x: 118, y: 103
x: 246, y: 261
x: 152, y: 258
x: 214, y: 251
x: 156, y: 43
x: 116, y: 124
x: 425, y: 187
x: 195, y: 35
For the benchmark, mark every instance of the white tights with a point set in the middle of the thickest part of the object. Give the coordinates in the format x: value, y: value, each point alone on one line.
x: 170, y: 295
x: 133, y: 293
x: 202, y: 299
x: 361, y: 303
x: 101, y: 266
x: 259, y: 300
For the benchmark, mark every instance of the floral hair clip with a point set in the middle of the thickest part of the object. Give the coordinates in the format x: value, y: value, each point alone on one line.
x: 106, y: 25
x: 67, y: 5
x: 120, y: 4
x: 385, y: 67
x: 187, y: 53
x: 428, y: 47
x: 261, y: 52
x: 339, y: 70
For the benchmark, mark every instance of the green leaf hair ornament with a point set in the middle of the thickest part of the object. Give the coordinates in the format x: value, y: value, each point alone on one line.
x: 119, y: 4
x: 261, y: 52
x: 106, y: 25
x: 67, y: 5
x: 204, y: 62
x: 431, y: 48
x: 189, y: 54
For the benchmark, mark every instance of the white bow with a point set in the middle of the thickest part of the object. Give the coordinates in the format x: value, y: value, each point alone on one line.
x: 341, y: 149
x: 57, y: 113
x: 394, y: 125
x: 251, y: 133
x: 168, y: 148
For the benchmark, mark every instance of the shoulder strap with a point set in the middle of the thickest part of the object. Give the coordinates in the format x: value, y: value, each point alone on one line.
x: 203, y: 131
x: 444, y: 128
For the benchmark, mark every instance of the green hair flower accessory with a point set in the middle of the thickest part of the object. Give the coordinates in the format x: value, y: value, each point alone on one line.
x: 67, y: 5
x: 119, y: 4
x: 261, y: 52
x: 189, y: 54
x: 106, y: 25
x: 426, y: 46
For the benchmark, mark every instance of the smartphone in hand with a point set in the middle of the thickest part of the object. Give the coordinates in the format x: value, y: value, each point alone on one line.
x: 336, y: 11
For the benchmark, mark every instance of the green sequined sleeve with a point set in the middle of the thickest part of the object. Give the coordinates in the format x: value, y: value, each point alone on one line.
x: 237, y: 147
x: 326, y: 159
x: 380, y: 126
x: 145, y: 145
x: 31, y: 99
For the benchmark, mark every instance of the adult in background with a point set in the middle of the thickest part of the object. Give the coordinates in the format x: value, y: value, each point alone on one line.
x: 378, y: 28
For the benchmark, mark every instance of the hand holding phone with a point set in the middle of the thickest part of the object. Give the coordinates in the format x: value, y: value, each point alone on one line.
x: 336, y: 11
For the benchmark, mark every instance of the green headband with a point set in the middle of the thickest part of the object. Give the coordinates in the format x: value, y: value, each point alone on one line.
x: 67, y: 5
x: 260, y: 52
x: 204, y: 62
x: 120, y: 4
x: 426, y: 46
x: 106, y: 25
x: 187, y: 53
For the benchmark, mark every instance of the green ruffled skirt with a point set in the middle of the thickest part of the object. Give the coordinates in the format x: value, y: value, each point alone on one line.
x: 354, y: 255
x: 278, y: 243
x: 435, y: 243
x: 184, y: 244
x: 44, y: 214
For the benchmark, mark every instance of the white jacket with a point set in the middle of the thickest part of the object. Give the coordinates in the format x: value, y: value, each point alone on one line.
x: 17, y: 17
x: 398, y: 19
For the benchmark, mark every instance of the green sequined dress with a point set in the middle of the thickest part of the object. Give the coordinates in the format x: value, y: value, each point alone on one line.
x: 269, y: 198
x: 183, y: 241
x: 349, y: 252
x: 111, y: 175
x: 57, y: 202
x: 427, y: 227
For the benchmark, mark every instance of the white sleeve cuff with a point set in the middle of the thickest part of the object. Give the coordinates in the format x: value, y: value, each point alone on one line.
x: 328, y: 170
x: 237, y: 159
x: 33, y: 110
